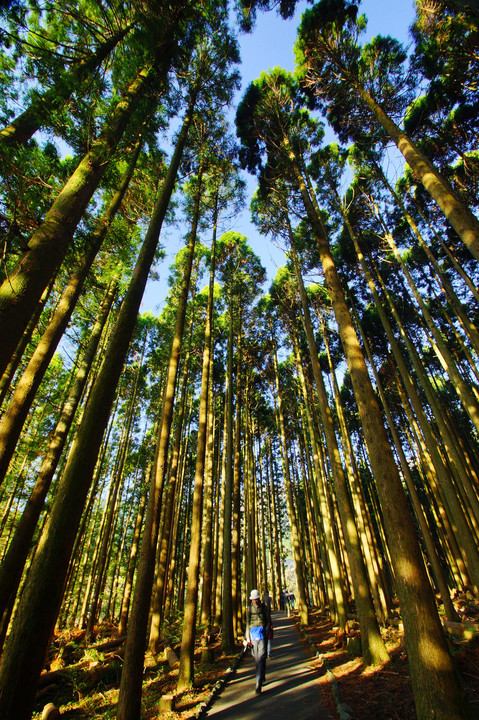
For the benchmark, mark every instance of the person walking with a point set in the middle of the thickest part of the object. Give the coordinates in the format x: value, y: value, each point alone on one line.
x: 267, y: 602
x: 258, y: 624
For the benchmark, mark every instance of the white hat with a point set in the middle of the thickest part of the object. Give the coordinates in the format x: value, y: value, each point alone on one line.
x: 254, y: 595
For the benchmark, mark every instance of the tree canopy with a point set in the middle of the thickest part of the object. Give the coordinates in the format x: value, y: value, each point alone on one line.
x: 319, y: 435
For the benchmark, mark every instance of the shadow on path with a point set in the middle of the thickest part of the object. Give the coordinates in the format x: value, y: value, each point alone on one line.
x: 291, y: 691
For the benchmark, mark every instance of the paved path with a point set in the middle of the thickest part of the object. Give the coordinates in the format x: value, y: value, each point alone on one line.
x: 291, y: 691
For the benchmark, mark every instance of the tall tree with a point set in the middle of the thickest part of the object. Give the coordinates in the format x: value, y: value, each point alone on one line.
x: 22, y: 398
x: 241, y: 273
x: 35, y: 619
x: 284, y: 142
x: 47, y: 247
x: 213, y: 63
x: 186, y: 672
x: 330, y: 60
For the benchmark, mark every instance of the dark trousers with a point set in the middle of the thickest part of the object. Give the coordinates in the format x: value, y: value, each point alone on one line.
x: 259, y: 654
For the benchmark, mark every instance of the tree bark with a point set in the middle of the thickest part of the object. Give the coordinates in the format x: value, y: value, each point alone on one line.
x: 14, y: 417
x: 129, y: 700
x: 24, y: 652
x: 47, y: 247
x: 17, y: 553
x: 40, y: 111
x: 435, y: 684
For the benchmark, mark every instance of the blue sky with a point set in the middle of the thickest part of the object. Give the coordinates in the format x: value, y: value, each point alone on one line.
x: 269, y: 45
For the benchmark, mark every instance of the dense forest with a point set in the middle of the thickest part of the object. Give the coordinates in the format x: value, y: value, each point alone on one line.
x: 320, y: 435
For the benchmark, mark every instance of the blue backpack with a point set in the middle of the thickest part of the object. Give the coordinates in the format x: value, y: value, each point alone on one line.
x: 257, y: 633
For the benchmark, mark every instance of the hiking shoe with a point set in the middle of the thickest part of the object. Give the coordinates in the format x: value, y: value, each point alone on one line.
x: 258, y: 690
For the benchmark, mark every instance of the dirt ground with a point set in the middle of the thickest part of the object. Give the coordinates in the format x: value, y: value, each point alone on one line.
x: 382, y: 693
x: 83, y: 681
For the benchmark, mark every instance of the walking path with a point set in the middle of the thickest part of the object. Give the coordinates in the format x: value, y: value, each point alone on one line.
x: 291, y: 691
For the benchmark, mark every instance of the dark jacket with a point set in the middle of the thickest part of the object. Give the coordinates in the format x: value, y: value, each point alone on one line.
x: 258, y: 616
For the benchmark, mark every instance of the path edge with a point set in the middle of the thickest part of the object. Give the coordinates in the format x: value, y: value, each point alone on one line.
x: 342, y: 708
x: 218, y: 688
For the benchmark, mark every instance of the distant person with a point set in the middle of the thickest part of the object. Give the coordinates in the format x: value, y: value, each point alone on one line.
x: 292, y: 600
x: 282, y: 600
x: 268, y: 644
x: 267, y: 602
x: 258, y: 624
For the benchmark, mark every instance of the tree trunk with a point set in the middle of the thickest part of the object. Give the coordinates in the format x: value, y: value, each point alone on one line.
x: 129, y: 700
x: 186, y: 672
x: 42, y: 108
x: 16, y: 555
x: 47, y: 247
x: 25, y: 649
x: 236, y: 537
x: 209, y: 484
x: 274, y: 519
x: 220, y: 522
x: 227, y: 637
x: 295, y: 541
x: 435, y: 684
x: 169, y: 497
x: 10, y: 370
x: 14, y: 417
x: 461, y: 218
x: 125, y: 603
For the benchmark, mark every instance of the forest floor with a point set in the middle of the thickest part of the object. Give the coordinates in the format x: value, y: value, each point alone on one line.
x: 82, y: 681
x: 384, y: 692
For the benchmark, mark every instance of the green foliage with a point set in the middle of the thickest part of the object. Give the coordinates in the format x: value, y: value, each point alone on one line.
x: 239, y: 268
x: 331, y: 64
x: 247, y: 10
x: 31, y: 177
x: 444, y: 117
x: 269, y: 111
x: 93, y: 655
x: 274, y: 123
